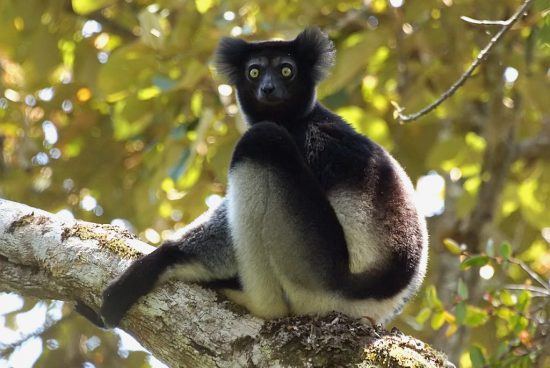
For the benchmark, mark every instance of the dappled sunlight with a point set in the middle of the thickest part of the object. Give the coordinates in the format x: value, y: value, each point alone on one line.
x: 112, y: 112
x: 430, y: 194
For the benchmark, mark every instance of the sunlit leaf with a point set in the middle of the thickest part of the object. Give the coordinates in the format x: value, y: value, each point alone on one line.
x: 462, y: 289
x: 148, y: 93
x: 350, y: 63
x: 204, y: 5
x: 128, y: 68
x: 505, y: 250
x: 477, y: 357
x: 368, y: 124
x: 507, y: 298
x: 131, y: 116
x: 452, y: 246
x: 453, y: 327
x: 88, y: 6
x: 152, y: 31
x: 191, y: 175
x: 475, y: 141
x: 438, y: 319
x: 475, y: 316
x: 432, y: 298
x: 423, y: 315
x: 475, y: 261
x: 523, y: 300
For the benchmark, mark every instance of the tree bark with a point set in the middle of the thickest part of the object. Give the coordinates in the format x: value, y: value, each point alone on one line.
x: 184, y: 325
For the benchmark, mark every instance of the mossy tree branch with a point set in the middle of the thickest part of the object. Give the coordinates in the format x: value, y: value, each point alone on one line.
x: 183, y: 325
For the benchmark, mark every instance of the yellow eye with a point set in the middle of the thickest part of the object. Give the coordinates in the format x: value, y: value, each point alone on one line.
x: 254, y: 73
x: 286, y: 72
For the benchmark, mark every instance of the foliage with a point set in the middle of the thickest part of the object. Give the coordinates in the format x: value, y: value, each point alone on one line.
x: 517, y: 313
x: 110, y: 112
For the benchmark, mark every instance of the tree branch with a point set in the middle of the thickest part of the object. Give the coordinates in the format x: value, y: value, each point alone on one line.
x: 535, y: 147
x: 484, y: 22
x: 181, y: 324
x: 464, y: 77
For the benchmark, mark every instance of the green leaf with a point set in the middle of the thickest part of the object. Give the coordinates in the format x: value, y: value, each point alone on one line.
x: 475, y: 142
x: 423, y: 316
x: 477, y: 357
x: 438, y: 319
x: 432, y: 298
x: 507, y: 298
x: 460, y: 313
x: 452, y: 246
x: 523, y: 300
x: 476, y: 261
x: 475, y: 316
x: 88, y: 6
x: 505, y: 250
x: 152, y: 31
x: 462, y: 289
x: 131, y: 117
x: 369, y: 124
x: 204, y: 5
x: 130, y: 68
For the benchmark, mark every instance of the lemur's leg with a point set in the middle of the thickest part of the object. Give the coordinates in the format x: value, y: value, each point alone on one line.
x: 204, y: 254
x: 283, y: 226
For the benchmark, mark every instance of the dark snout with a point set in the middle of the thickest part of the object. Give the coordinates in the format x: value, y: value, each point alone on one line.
x: 269, y: 93
x: 267, y: 89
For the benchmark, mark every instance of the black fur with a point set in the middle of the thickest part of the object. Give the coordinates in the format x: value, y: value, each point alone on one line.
x: 138, y: 280
x: 339, y: 157
x: 311, y: 151
x: 314, y: 55
x: 315, y: 143
x: 208, y: 244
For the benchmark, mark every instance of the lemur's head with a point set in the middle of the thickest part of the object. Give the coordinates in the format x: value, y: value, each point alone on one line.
x: 275, y: 80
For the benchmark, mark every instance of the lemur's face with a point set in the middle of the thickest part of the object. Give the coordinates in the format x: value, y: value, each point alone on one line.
x: 271, y: 78
x: 275, y: 80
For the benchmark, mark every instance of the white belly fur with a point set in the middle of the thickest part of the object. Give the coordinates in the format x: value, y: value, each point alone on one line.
x: 253, y: 199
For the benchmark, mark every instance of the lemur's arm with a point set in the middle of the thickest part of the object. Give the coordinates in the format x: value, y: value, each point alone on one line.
x: 203, y: 254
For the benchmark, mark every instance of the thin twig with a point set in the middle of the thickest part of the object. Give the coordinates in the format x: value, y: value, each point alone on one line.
x: 534, y: 289
x: 531, y: 273
x: 479, y: 59
x: 484, y: 22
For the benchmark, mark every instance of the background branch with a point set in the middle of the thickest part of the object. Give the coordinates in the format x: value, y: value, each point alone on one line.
x: 464, y: 77
x: 484, y: 22
x: 537, y: 147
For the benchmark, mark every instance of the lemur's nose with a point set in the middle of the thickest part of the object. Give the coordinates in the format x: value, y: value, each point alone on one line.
x: 268, y: 89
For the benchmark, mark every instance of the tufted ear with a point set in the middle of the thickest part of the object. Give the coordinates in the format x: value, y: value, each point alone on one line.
x: 314, y: 48
x: 229, y: 57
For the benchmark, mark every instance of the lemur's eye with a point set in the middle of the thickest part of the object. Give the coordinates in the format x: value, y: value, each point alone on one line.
x: 286, y: 71
x: 254, y: 73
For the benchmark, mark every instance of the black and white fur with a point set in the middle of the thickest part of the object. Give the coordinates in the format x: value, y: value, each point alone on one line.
x: 317, y: 217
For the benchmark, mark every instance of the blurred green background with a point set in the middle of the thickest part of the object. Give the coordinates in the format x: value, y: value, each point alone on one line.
x: 110, y: 112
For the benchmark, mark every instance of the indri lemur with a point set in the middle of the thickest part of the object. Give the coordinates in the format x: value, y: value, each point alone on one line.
x: 317, y: 217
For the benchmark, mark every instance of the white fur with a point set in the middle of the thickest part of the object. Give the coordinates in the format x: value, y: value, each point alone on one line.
x: 259, y: 223
x: 199, y: 221
x: 187, y: 272
x: 354, y: 211
x: 248, y: 195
